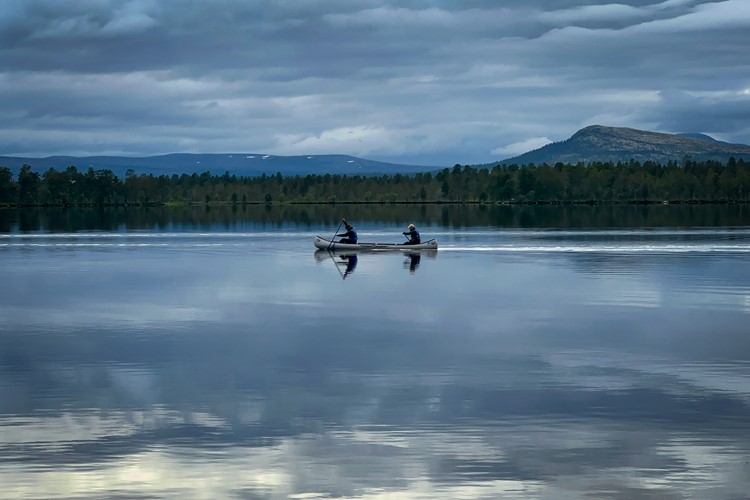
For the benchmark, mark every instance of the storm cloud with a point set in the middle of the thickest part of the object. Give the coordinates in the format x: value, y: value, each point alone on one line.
x: 420, y: 81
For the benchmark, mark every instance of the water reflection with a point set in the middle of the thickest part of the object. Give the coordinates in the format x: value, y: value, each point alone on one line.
x: 545, y: 364
x: 341, y: 259
x: 412, y: 261
x: 346, y: 261
x: 329, y: 215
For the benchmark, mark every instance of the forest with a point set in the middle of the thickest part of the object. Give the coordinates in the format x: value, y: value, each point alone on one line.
x: 595, y: 183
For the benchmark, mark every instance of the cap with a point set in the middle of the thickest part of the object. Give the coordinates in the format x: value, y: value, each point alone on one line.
x: 411, y: 226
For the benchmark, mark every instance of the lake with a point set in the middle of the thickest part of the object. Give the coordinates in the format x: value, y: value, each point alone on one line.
x: 541, y: 352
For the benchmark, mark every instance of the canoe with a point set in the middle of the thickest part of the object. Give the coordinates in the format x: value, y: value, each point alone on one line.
x: 325, y: 244
x: 323, y: 255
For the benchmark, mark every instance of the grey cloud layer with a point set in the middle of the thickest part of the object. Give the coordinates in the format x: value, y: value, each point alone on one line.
x: 427, y: 81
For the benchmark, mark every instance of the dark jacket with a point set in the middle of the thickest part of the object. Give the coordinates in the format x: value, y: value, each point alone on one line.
x: 413, y: 235
x: 350, y: 234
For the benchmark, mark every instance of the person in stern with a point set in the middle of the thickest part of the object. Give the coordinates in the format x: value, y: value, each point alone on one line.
x: 413, y: 235
x: 350, y: 236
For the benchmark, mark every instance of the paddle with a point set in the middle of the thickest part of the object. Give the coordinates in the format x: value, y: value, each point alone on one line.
x: 336, y: 265
x: 330, y: 254
x: 334, y: 234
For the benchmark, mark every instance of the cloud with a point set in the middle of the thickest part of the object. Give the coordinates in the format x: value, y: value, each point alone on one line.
x: 679, y: 111
x: 518, y: 148
x: 360, y: 139
x: 614, y: 14
x: 607, y: 12
x: 729, y: 14
x: 129, y: 19
x: 430, y: 82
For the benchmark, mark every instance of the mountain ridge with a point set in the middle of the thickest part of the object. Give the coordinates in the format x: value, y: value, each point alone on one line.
x: 603, y: 143
x: 589, y: 144
x: 240, y: 164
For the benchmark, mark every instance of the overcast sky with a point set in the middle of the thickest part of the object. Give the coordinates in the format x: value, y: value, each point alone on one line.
x: 415, y: 81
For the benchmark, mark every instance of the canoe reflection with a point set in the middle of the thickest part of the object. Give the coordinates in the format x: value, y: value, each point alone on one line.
x: 346, y: 261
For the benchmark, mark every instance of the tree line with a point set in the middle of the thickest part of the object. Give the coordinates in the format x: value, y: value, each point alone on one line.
x: 597, y: 182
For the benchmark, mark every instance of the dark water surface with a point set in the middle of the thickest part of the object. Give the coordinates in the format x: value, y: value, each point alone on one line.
x: 548, y: 352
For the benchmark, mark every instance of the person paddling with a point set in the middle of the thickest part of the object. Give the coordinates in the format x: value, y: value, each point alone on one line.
x: 350, y: 236
x: 413, y: 236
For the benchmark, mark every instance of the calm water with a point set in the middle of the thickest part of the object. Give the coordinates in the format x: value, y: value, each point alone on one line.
x: 541, y: 353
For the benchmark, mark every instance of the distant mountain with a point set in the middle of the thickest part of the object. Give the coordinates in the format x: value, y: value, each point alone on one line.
x: 599, y: 143
x: 696, y: 135
x: 240, y: 164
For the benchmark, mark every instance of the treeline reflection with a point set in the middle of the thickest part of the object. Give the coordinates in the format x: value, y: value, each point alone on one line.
x: 449, y: 216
